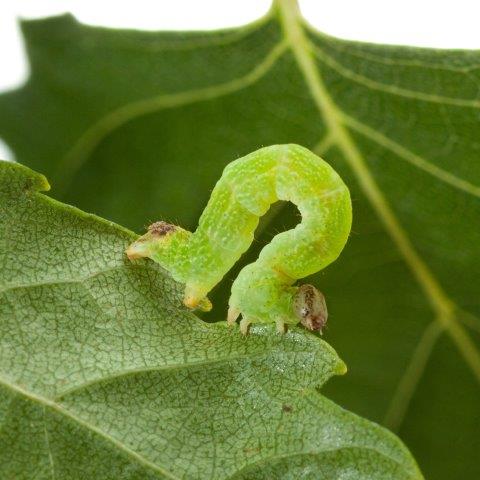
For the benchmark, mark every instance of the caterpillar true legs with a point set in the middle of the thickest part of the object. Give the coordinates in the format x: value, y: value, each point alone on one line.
x: 264, y: 291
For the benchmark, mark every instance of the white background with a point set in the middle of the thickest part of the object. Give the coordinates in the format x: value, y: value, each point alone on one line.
x: 441, y: 23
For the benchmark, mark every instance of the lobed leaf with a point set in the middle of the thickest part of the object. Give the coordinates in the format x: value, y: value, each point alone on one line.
x: 104, y: 374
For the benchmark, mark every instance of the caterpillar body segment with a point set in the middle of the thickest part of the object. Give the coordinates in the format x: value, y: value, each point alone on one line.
x: 264, y: 291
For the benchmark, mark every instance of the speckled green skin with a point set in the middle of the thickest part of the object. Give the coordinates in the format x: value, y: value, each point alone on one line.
x: 263, y: 291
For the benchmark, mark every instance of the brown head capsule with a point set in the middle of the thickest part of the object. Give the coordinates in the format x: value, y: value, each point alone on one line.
x: 310, y: 307
x: 161, y: 228
x: 158, y: 233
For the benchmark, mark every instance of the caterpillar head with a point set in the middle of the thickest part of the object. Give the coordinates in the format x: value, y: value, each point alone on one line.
x: 159, y: 241
x: 310, y: 307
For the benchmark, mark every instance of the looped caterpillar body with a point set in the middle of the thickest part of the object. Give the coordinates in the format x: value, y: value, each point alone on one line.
x: 264, y: 291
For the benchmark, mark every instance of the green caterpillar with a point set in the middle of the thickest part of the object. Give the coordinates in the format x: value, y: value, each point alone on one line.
x: 264, y: 291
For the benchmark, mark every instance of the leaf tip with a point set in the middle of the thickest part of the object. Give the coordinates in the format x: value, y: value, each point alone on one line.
x: 341, y: 368
x: 17, y: 178
x: 40, y: 183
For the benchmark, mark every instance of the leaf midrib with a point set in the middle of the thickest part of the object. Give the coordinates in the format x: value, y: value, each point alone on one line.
x: 66, y: 413
x: 442, y: 305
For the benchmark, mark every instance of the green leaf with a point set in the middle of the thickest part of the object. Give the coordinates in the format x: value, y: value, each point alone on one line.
x: 137, y: 127
x: 104, y: 374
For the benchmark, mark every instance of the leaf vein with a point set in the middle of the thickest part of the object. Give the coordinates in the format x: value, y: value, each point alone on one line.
x: 47, y: 444
x: 411, y: 157
x: 52, y: 282
x: 92, y: 137
x: 56, y: 407
x: 167, y: 367
x: 392, y: 89
x: 411, y: 377
x: 338, y: 45
x: 440, y: 302
x: 315, y: 453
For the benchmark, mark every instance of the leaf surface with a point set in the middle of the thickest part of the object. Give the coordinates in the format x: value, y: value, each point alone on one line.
x: 105, y: 375
x: 137, y: 126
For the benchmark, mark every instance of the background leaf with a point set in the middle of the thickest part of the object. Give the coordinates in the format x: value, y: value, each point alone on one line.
x: 137, y: 126
x: 104, y: 374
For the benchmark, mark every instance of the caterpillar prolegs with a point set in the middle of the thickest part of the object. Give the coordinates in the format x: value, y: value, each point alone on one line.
x: 264, y: 291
